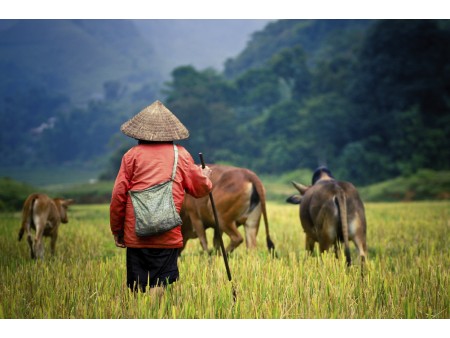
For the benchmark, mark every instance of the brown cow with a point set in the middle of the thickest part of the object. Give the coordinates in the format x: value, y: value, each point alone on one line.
x: 44, y: 215
x: 331, y: 212
x: 239, y: 197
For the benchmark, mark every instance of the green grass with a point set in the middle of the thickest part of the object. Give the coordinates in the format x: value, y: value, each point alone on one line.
x: 423, y: 185
x: 53, y: 177
x: 407, y: 274
x: 80, y: 184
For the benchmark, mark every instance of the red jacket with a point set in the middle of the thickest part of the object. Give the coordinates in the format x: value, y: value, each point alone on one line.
x: 146, y: 165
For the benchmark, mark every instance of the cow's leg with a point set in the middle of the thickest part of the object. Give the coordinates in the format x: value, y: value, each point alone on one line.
x: 53, y: 241
x: 324, y: 245
x: 204, y: 241
x: 336, y: 249
x: 325, y: 241
x: 30, y: 243
x: 235, y: 236
x: 252, y: 226
x: 309, y: 244
x: 328, y: 233
x: 356, y: 230
x: 38, y: 245
x: 216, y: 240
x: 26, y: 227
x: 360, y: 244
x: 199, y: 231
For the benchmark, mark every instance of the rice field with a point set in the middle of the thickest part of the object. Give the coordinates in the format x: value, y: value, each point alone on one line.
x: 407, y: 274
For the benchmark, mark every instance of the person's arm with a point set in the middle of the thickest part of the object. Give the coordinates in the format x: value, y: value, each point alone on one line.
x: 196, y: 180
x: 118, y: 204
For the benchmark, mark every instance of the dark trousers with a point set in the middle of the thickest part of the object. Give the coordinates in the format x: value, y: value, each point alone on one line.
x: 151, y: 267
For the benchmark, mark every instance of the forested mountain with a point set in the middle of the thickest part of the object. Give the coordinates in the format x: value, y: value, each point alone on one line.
x: 74, y: 57
x: 67, y: 85
x: 368, y: 98
x: 313, y: 35
x: 370, y: 103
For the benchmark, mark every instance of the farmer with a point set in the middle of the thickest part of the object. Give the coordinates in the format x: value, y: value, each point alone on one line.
x: 152, y: 249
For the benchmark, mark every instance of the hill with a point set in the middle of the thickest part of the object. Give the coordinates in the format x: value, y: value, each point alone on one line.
x: 76, y: 57
x: 365, y: 97
x: 313, y: 36
x: 67, y: 85
x: 73, y: 57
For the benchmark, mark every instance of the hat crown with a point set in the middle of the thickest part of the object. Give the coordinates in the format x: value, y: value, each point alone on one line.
x: 155, y: 123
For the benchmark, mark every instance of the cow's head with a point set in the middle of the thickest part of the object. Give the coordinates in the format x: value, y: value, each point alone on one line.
x: 320, y: 174
x: 297, y: 199
x: 62, y: 206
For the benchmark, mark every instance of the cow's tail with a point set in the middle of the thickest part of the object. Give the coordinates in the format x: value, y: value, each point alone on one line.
x: 27, y: 216
x: 262, y: 196
x: 21, y: 231
x: 342, y: 206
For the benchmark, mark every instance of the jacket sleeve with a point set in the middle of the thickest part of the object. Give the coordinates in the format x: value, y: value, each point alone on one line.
x: 119, y: 198
x: 194, y: 182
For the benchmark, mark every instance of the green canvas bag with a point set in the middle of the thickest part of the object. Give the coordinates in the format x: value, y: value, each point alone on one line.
x: 154, y: 207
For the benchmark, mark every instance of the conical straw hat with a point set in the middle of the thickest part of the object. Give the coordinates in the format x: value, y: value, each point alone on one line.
x: 155, y: 123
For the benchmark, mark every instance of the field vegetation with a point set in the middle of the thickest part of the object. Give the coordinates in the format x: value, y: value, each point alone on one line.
x: 407, y: 275
x: 85, y: 189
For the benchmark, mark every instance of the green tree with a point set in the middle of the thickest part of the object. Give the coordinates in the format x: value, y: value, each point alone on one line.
x: 201, y: 99
x: 290, y: 65
x: 400, y: 92
x: 256, y: 90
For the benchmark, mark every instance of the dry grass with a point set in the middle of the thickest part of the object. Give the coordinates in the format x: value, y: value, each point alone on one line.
x: 407, y: 274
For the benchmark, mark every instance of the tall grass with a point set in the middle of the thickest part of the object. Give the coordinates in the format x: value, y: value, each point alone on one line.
x: 407, y: 275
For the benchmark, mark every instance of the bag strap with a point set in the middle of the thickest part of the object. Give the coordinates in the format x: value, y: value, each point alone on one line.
x: 174, y: 170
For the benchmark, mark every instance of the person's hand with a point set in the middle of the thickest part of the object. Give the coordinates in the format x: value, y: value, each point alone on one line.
x: 206, y: 171
x: 119, y: 241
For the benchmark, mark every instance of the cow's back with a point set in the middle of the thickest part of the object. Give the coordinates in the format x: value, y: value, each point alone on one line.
x: 316, y: 198
x: 45, y: 209
x: 320, y: 202
x: 27, y: 207
x: 231, y: 191
x: 237, y: 192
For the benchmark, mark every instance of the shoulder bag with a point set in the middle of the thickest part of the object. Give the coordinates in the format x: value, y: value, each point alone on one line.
x: 154, y: 207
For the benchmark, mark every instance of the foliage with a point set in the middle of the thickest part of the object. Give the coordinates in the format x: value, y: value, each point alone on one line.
x: 424, y: 185
x: 74, y: 57
x: 367, y: 98
x: 401, y: 97
x: 407, y: 274
x: 281, y: 34
x: 371, y: 104
x: 86, y: 193
x: 13, y: 194
x: 201, y: 101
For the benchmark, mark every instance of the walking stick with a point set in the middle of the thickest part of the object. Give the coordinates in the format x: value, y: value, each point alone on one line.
x: 218, y: 235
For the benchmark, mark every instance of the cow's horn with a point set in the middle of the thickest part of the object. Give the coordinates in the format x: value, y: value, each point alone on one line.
x: 300, y: 187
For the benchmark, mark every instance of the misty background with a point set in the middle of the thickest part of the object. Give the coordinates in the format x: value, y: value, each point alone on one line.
x: 368, y: 98
x: 53, y: 70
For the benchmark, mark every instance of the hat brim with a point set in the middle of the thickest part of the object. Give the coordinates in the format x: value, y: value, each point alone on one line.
x: 155, y: 123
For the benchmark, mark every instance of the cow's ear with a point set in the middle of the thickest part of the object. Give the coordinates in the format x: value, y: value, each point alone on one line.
x: 69, y: 202
x: 300, y: 187
x: 294, y: 199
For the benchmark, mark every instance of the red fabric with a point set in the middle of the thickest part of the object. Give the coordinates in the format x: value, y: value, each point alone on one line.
x: 146, y: 165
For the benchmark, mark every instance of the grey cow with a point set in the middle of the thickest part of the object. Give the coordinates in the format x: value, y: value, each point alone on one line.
x: 331, y: 212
